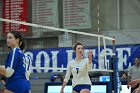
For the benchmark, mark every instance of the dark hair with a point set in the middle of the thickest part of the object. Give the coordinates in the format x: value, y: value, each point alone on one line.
x: 17, y: 34
x: 137, y: 57
x: 76, y: 44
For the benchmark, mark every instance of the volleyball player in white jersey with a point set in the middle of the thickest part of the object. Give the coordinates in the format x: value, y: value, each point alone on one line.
x: 79, y: 68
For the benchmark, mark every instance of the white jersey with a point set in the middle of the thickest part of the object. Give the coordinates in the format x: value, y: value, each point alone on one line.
x: 27, y: 66
x: 79, y: 71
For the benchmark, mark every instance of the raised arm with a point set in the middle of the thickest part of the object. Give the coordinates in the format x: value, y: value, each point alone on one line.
x: 90, y: 56
x: 89, y: 64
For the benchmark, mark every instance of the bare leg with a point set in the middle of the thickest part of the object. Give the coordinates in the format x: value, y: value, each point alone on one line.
x: 74, y: 92
x: 7, y: 91
x: 85, y: 91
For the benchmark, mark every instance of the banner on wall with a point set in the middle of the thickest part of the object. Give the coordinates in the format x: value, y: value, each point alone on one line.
x: 58, y: 57
x: 15, y: 10
x: 76, y: 14
x: 45, y: 12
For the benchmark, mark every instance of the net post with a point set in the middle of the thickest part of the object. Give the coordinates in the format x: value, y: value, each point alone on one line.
x: 113, y: 44
x: 100, y: 65
x: 105, y: 59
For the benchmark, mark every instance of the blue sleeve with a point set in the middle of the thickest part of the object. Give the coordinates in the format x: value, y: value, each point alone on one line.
x: 12, y: 59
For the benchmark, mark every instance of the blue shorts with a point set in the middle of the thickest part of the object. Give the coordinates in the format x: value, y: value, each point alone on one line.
x: 78, y: 88
x: 29, y: 84
x: 18, y: 86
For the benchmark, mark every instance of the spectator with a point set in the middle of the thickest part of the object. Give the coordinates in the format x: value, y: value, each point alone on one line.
x: 124, y: 77
x: 134, y: 73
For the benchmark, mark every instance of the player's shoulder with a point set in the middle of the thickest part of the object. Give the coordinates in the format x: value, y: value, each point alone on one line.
x: 71, y: 61
x: 85, y: 60
x: 16, y: 51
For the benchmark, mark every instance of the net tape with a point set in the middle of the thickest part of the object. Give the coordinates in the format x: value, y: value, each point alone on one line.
x: 54, y: 28
x: 63, y: 30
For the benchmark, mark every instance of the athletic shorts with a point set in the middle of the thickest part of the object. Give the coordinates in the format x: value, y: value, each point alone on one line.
x: 18, y: 86
x: 78, y: 88
x: 29, y: 84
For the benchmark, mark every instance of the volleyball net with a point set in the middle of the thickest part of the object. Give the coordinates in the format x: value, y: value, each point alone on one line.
x: 51, y: 47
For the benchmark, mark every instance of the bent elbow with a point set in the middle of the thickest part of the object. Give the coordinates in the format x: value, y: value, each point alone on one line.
x: 9, y: 72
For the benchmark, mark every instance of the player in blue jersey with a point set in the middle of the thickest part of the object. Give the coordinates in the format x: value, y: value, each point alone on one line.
x: 27, y: 63
x: 14, y: 69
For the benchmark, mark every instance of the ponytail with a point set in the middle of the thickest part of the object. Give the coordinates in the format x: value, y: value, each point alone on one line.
x: 22, y: 45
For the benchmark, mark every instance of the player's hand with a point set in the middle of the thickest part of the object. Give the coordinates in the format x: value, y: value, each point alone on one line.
x: 133, y: 83
x: 90, y: 54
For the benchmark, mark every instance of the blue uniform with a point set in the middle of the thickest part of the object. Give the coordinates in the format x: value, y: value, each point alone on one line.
x: 17, y: 82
